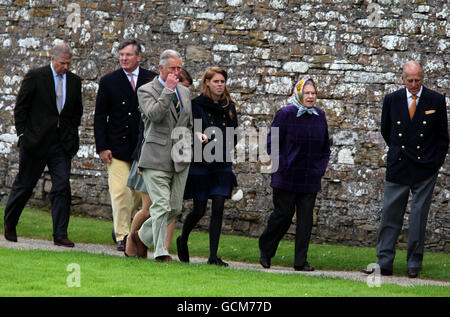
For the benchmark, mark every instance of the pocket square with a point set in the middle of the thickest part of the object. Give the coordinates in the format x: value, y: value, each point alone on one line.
x: 430, y: 111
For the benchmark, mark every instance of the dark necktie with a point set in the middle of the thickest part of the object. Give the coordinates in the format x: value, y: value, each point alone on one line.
x: 176, y: 103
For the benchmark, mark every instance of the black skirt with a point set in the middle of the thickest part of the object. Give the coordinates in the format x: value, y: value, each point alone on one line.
x: 205, y: 181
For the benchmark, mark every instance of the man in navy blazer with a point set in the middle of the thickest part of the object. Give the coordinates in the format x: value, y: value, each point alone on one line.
x: 47, y: 115
x: 116, y: 130
x: 415, y: 127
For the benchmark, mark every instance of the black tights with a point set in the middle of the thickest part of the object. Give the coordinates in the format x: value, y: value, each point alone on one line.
x: 215, y: 224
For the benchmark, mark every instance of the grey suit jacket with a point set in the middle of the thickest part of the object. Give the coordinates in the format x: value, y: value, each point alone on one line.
x: 167, y: 136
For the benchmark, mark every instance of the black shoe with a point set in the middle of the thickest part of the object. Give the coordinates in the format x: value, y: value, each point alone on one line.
x: 125, y: 246
x: 182, y: 250
x: 305, y: 268
x: 121, y: 245
x: 63, y: 242
x: 265, y: 262
x: 217, y: 261
x: 113, y: 235
x: 10, y: 234
x: 384, y: 272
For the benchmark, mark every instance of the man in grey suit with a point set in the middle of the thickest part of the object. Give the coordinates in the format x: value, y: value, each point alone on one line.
x: 165, y: 105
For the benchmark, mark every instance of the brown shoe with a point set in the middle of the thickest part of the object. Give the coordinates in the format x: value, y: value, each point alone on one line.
x: 413, y: 272
x: 163, y: 258
x: 141, y: 248
x: 10, y: 234
x: 63, y: 242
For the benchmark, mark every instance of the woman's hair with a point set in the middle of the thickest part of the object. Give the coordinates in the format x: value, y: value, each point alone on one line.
x: 208, y: 75
x: 184, y: 75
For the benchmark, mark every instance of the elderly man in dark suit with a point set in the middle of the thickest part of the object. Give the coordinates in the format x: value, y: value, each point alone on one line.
x: 116, y: 125
x: 47, y: 115
x: 414, y: 126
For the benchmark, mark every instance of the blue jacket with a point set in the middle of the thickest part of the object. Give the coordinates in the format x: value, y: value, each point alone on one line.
x: 117, y: 118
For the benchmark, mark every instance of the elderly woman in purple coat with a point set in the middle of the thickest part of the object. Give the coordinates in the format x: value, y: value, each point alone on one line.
x: 302, y: 153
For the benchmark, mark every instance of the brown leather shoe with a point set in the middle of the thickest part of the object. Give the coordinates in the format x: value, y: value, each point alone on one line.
x: 163, y: 258
x: 10, y: 234
x: 63, y: 242
x: 141, y: 248
x: 413, y: 272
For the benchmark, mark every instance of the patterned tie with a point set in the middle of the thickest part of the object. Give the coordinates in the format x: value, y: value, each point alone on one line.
x: 176, y: 103
x: 412, y: 108
x: 59, y: 94
x: 132, y: 81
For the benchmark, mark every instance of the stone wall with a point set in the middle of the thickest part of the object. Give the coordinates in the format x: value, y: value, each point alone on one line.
x: 354, y: 49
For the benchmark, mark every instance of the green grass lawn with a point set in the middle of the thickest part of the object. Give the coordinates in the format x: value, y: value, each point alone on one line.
x: 44, y: 273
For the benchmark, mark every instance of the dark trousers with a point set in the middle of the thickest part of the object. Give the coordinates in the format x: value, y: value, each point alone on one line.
x: 215, y: 224
x: 30, y: 170
x: 394, y: 207
x: 285, y: 205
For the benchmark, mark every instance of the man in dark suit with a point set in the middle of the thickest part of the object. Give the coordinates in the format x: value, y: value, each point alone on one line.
x: 415, y: 127
x: 47, y: 115
x: 116, y: 125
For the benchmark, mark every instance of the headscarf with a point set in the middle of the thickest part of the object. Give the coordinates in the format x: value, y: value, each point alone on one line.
x: 297, y: 98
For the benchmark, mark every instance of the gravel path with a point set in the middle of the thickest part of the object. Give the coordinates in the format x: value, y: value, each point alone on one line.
x: 33, y: 244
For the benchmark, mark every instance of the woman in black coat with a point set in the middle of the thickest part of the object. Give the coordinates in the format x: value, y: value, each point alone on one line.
x: 210, y: 174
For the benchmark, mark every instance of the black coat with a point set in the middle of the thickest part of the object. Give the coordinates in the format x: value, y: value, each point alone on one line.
x: 417, y: 147
x: 36, y: 115
x: 117, y: 118
x: 213, y: 117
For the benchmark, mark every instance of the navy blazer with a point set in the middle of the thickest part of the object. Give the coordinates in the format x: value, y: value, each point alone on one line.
x: 117, y: 118
x: 417, y: 147
x: 36, y: 115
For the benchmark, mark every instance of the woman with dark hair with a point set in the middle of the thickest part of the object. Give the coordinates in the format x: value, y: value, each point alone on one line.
x: 302, y: 151
x: 210, y: 178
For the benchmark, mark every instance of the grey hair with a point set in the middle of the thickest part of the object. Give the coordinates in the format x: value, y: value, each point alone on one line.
x: 62, y: 49
x: 163, y: 59
x: 409, y: 64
